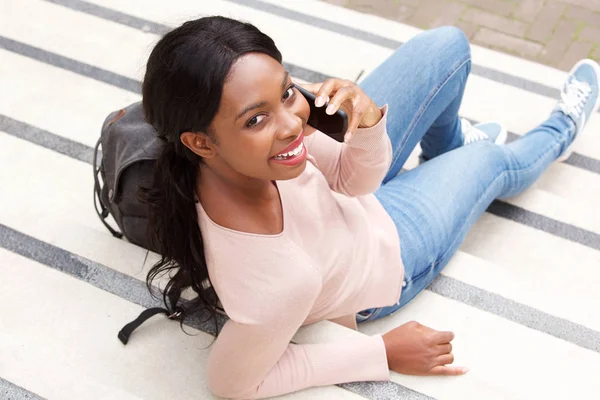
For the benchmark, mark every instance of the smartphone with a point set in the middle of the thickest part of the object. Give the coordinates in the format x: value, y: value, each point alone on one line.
x: 334, y: 125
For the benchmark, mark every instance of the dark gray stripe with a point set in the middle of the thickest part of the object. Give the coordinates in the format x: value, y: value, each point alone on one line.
x: 96, y: 274
x: 516, y: 312
x: 584, y: 162
x: 112, y: 78
x: 10, y: 391
x: 306, y: 74
x: 78, y: 67
x: 136, y: 292
x: 46, y: 139
x: 320, y: 23
x: 387, y: 390
x: 543, y: 223
x: 114, y: 16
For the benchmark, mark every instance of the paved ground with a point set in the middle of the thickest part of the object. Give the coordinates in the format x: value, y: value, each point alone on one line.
x: 555, y: 33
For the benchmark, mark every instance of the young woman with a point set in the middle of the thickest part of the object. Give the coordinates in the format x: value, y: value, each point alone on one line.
x: 293, y: 227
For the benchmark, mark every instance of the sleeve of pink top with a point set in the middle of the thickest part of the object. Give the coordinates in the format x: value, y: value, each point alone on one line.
x: 256, y: 360
x: 357, y: 167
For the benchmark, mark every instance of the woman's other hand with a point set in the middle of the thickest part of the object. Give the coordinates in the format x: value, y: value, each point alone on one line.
x: 346, y: 95
x: 414, y: 349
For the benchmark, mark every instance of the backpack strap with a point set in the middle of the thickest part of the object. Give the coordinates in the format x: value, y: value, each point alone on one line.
x: 102, y: 211
x: 145, y: 315
x: 128, y: 329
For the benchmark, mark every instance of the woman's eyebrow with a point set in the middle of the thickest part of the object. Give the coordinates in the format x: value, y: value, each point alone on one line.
x: 262, y: 103
x: 285, y: 79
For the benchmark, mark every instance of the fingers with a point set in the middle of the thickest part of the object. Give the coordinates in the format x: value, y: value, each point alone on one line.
x: 325, y: 91
x: 311, y: 87
x: 339, y: 93
x: 444, y: 337
x: 445, y: 359
x: 354, y: 120
x: 448, y: 371
x: 445, y: 349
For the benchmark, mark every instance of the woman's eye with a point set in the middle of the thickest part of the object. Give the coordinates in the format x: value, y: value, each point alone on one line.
x: 288, y: 93
x: 254, y: 120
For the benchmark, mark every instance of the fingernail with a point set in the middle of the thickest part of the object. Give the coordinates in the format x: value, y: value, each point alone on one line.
x: 330, y: 109
x: 465, y: 370
x: 319, y: 101
x: 347, y: 136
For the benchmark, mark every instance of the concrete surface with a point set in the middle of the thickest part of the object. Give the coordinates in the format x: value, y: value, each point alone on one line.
x: 521, y: 294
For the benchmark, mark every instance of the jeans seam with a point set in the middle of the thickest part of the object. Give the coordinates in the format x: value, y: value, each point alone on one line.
x: 424, y: 272
x: 423, y: 107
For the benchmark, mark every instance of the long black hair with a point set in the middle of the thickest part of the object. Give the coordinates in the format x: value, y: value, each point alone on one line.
x: 181, y: 92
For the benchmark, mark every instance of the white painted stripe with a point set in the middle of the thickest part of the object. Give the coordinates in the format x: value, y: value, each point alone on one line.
x: 507, y: 360
x: 532, y: 267
x: 78, y: 356
x: 114, y: 47
x: 59, y: 194
x: 57, y: 100
x: 579, y: 187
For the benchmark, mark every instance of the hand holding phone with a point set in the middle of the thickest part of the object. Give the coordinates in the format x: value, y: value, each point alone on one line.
x: 359, y: 111
x: 334, y: 125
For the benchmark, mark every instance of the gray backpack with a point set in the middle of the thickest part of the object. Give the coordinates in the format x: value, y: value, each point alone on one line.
x: 130, y: 147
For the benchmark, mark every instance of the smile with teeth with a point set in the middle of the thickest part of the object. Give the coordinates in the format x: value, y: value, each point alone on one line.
x: 290, y: 154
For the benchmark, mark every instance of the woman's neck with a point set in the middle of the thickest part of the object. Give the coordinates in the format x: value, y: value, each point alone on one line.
x: 246, y: 205
x: 232, y: 185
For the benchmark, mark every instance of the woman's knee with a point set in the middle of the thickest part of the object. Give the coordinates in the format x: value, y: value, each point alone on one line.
x: 448, y: 44
x: 451, y: 37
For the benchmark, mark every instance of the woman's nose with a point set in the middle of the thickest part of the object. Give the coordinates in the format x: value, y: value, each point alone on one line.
x: 290, y: 125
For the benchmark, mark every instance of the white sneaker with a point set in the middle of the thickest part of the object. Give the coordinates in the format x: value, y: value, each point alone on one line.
x: 492, y: 131
x: 579, y: 97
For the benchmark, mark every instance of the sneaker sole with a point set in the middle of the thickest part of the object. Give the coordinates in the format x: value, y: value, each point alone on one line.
x: 596, y: 67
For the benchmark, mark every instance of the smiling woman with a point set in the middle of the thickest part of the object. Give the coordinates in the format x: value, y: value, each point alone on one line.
x: 292, y: 227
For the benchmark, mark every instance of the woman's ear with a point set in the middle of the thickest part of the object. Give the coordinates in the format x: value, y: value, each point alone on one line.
x: 199, y: 143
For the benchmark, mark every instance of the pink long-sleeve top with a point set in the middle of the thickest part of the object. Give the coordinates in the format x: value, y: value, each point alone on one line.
x: 338, y: 253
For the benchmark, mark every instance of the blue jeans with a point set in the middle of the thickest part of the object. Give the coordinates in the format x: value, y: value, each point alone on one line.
x: 435, y: 204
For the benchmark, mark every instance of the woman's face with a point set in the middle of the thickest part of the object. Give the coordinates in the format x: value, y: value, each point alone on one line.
x: 261, y: 117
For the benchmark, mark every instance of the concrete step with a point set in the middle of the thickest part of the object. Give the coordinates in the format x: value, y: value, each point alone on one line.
x: 519, y: 294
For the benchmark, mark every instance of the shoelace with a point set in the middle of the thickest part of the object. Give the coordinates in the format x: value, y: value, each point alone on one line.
x: 574, y: 97
x: 470, y: 133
